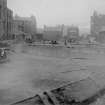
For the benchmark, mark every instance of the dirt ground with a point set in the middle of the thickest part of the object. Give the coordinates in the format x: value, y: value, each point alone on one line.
x: 35, y: 69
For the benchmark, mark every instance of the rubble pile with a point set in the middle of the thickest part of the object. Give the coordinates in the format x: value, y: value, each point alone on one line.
x: 83, y: 92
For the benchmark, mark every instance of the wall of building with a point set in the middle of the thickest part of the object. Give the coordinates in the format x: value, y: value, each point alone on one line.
x: 6, y: 16
x: 2, y: 17
x: 9, y: 23
x: 97, y: 23
x: 98, y: 27
x: 26, y: 25
x: 18, y: 26
x: 53, y: 33
x: 71, y: 33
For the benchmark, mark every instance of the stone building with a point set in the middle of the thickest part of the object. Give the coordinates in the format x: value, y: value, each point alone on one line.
x: 6, y: 16
x: 25, y: 25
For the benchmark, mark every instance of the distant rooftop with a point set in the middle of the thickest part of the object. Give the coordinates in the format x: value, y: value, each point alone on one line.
x: 16, y: 17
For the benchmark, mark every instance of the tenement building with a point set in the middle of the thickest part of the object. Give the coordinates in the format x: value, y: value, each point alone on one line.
x: 6, y: 16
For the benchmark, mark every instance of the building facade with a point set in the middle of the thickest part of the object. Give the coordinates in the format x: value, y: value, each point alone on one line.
x: 25, y: 25
x: 71, y: 33
x: 97, y: 23
x: 6, y: 16
x: 9, y: 24
x: 3, y: 12
x: 53, y: 33
x: 98, y: 26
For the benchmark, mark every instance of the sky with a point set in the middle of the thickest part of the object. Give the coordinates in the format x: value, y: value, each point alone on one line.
x: 53, y: 12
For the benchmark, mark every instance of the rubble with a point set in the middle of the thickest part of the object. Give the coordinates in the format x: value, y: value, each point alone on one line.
x: 83, y: 92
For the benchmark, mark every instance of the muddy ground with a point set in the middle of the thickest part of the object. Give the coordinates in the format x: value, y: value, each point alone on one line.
x: 32, y: 70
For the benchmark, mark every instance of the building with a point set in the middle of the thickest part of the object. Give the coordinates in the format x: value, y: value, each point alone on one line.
x: 97, y: 23
x: 3, y: 13
x: 25, y: 25
x: 39, y: 34
x: 53, y: 33
x: 6, y: 16
x: 98, y: 26
x: 71, y: 33
x: 9, y: 24
x: 61, y: 32
x: 101, y: 36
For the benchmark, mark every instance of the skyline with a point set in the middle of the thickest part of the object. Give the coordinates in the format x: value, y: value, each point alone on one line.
x: 53, y: 12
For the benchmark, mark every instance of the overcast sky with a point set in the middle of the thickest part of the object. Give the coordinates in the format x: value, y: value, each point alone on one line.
x: 53, y: 12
